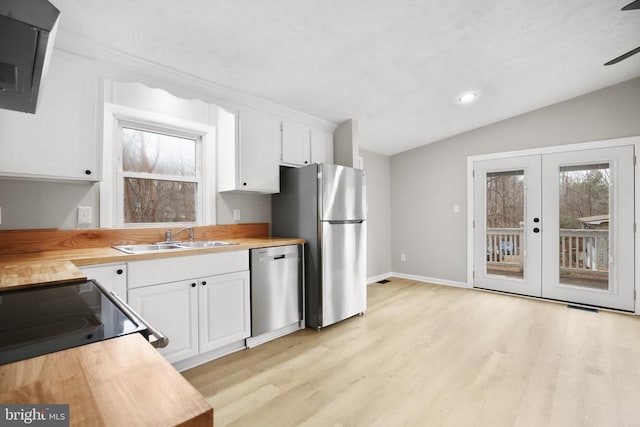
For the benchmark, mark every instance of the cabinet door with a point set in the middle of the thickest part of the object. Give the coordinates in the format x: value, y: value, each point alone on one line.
x: 113, y: 277
x: 60, y: 140
x: 172, y: 308
x: 259, y: 139
x: 321, y: 146
x: 296, y: 145
x: 224, y: 310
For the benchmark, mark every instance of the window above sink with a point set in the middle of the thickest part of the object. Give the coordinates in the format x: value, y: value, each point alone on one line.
x: 159, y: 162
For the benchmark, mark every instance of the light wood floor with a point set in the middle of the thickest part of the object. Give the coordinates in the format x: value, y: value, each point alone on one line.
x: 434, y: 355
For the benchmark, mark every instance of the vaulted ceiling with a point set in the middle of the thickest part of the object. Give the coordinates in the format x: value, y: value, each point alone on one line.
x: 397, y: 67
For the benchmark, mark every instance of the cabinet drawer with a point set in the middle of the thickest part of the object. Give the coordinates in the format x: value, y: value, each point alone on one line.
x: 155, y: 271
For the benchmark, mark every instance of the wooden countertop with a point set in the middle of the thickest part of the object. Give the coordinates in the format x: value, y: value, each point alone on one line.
x: 122, y: 381
x: 59, y: 266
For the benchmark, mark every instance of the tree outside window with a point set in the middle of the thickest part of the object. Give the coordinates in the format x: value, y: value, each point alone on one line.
x: 160, y: 177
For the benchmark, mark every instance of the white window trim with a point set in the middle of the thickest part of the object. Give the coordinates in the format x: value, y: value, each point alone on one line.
x: 115, y: 116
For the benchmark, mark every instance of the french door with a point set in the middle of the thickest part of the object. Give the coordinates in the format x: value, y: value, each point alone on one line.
x: 558, y: 226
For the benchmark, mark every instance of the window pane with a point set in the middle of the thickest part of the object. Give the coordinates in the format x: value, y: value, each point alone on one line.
x: 505, y: 223
x: 150, y: 200
x: 149, y: 152
x: 584, y: 225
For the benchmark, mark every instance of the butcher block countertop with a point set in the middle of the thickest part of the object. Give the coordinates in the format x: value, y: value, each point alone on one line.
x: 59, y: 266
x: 122, y: 381
x: 118, y: 382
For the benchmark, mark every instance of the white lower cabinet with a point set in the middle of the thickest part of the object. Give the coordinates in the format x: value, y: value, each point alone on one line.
x: 172, y: 308
x: 199, y: 315
x: 112, y: 277
x: 223, y: 306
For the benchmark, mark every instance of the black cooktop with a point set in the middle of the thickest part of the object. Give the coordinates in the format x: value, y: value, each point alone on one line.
x: 40, y: 320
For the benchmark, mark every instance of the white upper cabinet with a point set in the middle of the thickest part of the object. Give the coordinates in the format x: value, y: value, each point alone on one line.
x: 321, y: 146
x: 60, y: 140
x: 296, y: 144
x: 248, y: 151
x: 303, y: 144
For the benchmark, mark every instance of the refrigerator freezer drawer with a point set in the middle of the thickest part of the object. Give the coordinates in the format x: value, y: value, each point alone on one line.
x: 344, y: 292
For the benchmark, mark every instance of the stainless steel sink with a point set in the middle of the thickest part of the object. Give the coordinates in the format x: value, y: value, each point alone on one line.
x: 164, y: 247
x: 204, y: 244
x: 146, y: 248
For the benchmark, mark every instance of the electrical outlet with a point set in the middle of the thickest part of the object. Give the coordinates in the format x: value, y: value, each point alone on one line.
x: 236, y: 214
x: 403, y: 257
x: 84, y: 215
x: 456, y: 208
x: 0, y: 214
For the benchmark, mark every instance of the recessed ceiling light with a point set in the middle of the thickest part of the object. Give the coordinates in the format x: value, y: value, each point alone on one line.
x: 467, y: 97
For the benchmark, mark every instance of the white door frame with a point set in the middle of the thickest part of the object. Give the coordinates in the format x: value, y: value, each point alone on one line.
x: 608, y: 143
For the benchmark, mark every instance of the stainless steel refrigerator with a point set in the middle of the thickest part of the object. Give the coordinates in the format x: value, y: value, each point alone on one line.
x: 326, y: 206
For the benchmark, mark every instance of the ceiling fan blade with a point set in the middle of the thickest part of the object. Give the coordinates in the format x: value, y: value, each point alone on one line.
x: 623, y: 56
x: 632, y: 5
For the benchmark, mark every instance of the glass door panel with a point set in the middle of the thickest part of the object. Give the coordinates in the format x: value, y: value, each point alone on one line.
x: 583, y: 205
x: 505, y: 223
x: 506, y: 202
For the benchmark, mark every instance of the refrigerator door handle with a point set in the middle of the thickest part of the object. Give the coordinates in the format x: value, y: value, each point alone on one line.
x: 347, y: 221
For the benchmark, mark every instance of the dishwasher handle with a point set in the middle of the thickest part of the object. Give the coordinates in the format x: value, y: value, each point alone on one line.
x: 282, y: 256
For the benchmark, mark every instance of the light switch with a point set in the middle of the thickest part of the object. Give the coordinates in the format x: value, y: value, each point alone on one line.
x: 84, y: 214
x: 456, y: 208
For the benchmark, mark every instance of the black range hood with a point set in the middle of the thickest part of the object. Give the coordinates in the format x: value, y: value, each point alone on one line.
x: 27, y: 30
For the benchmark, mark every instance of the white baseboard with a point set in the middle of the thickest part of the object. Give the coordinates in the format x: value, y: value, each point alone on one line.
x: 261, y: 339
x: 431, y: 280
x: 374, y: 279
x: 192, y: 362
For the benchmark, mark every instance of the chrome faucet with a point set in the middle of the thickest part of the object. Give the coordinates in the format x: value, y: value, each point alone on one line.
x: 191, y: 233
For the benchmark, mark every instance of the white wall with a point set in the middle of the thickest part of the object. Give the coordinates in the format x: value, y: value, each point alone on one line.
x: 39, y: 204
x: 426, y: 182
x: 378, y: 214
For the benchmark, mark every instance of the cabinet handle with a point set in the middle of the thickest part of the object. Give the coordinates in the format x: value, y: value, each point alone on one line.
x: 244, y: 183
x: 204, y: 283
x: 87, y: 172
x: 193, y: 285
x: 119, y: 271
x: 306, y: 162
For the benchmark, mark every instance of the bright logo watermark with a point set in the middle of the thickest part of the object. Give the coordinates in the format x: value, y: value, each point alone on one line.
x: 34, y: 415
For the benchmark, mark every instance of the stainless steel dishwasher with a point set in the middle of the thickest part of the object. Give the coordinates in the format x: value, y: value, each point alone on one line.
x: 276, y: 289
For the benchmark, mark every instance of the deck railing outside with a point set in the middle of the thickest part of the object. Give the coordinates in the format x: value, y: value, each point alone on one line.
x: 580, y: 250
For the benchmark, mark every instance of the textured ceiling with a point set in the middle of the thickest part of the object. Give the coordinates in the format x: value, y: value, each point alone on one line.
x: 395, y: 66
